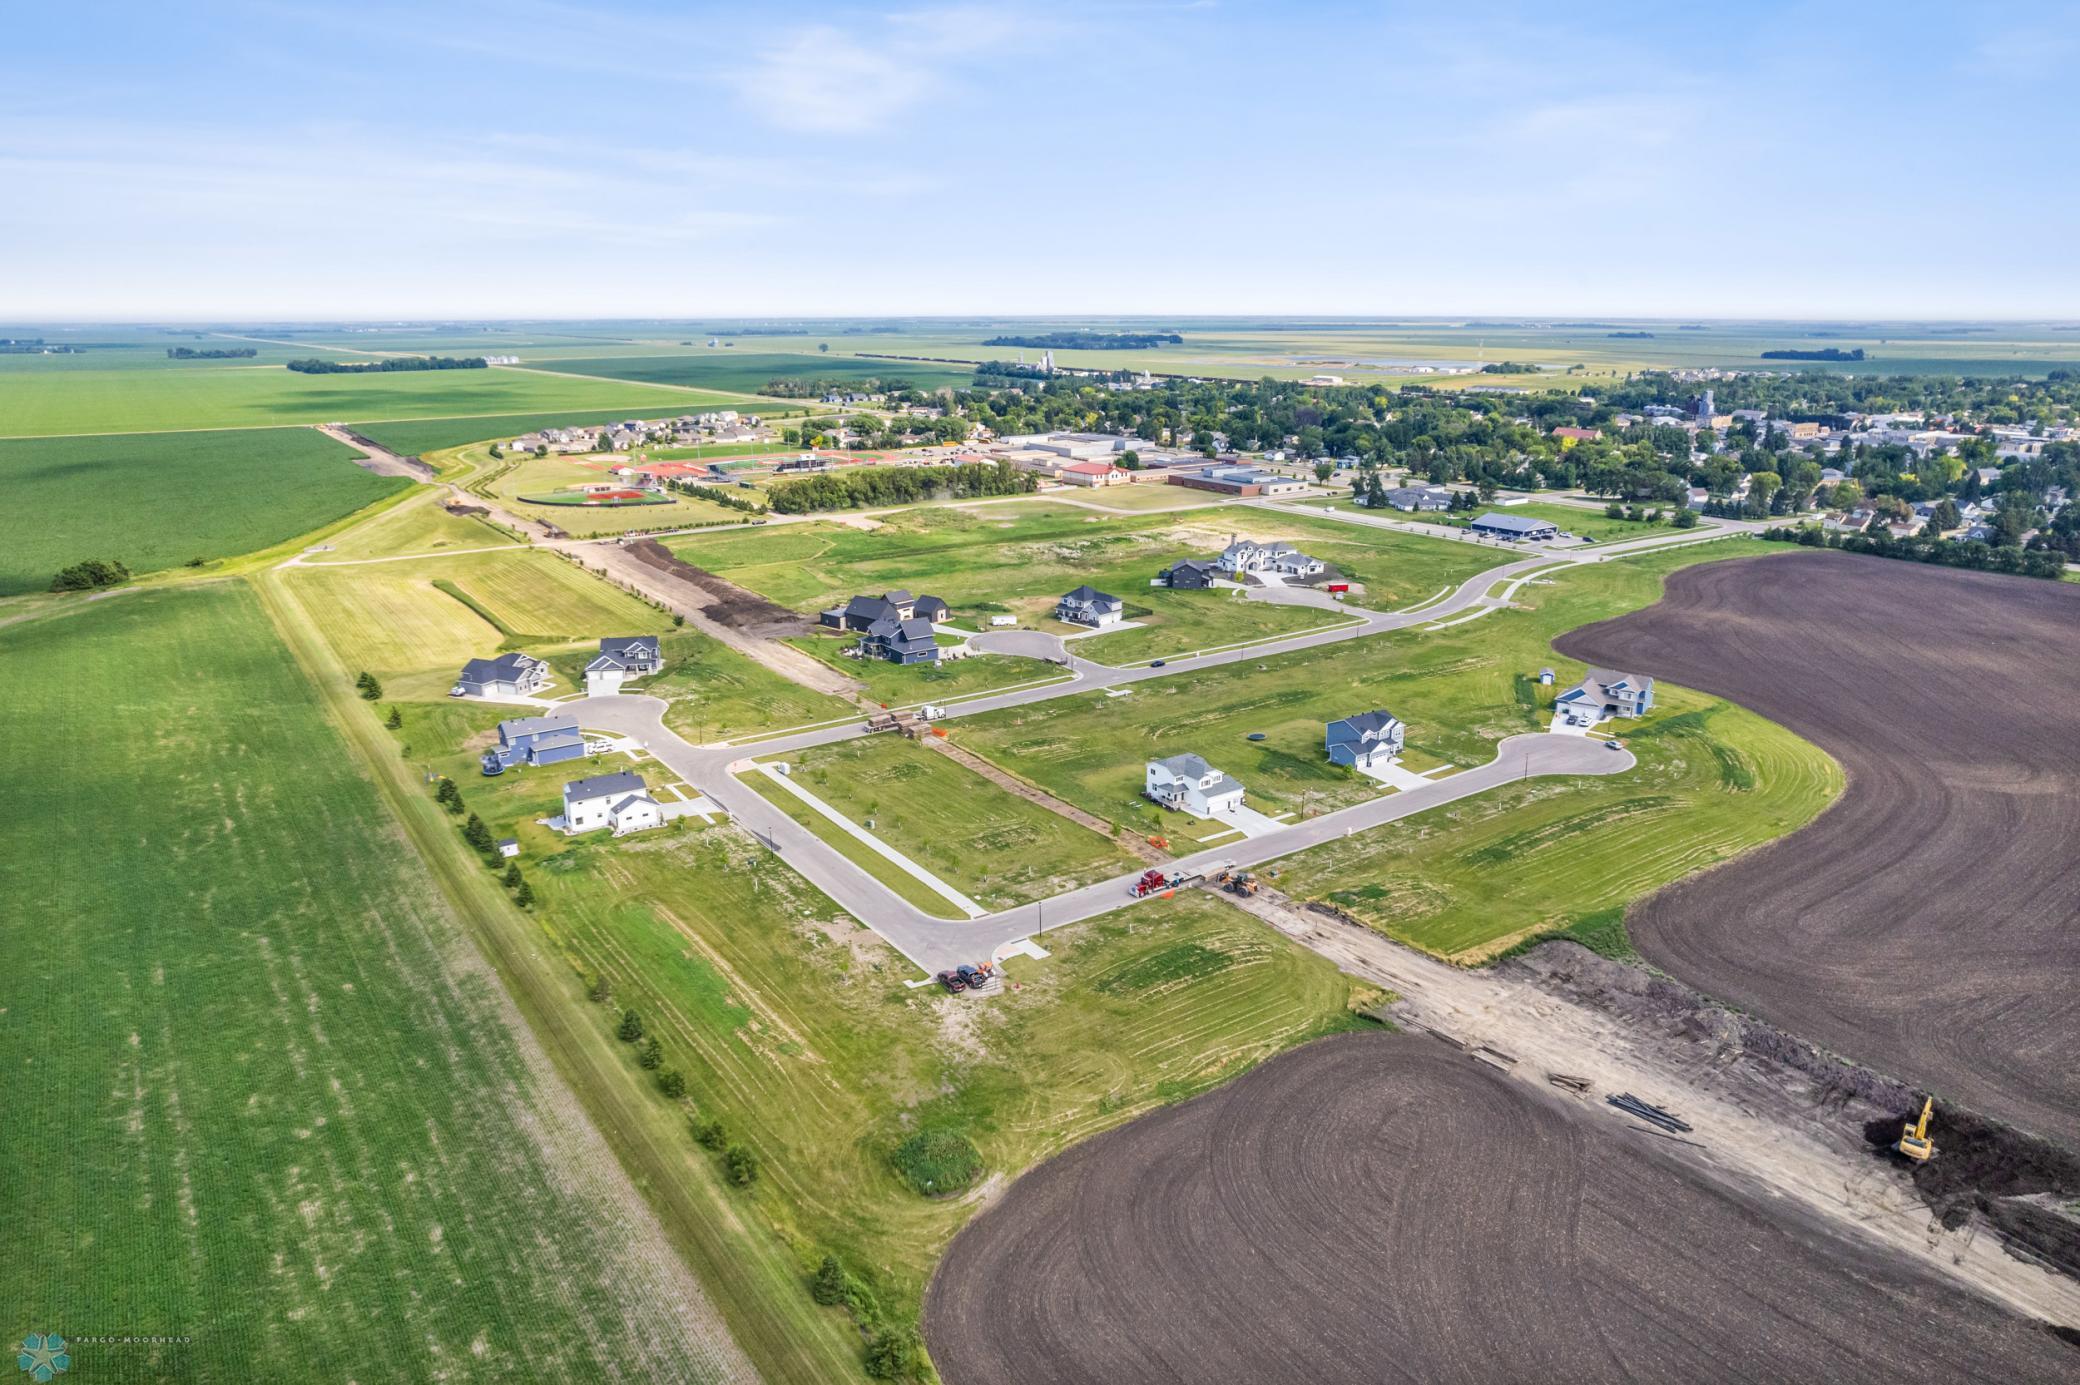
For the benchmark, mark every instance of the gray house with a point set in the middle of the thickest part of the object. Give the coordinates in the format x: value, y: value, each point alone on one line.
x: 509, y: 675
x: 1190, y: 574
x: 1089, y: 606
x: 862, y: 612
x: 636, y: 654
x: 900, y: 641
x: 537, y: 741
x: 1364, y: 740
x: 1412, y: 498
x: 1515, y: 528
x: 1604, y: 693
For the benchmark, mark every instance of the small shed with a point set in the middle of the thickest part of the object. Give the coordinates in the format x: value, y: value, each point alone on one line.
x: 1545, y: 678
x: 509, y: 847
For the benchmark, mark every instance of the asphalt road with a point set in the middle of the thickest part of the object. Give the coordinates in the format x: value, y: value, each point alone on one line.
x: 1382, y: 1208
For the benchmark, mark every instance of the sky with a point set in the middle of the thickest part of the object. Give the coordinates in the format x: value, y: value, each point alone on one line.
x: 267, y: 160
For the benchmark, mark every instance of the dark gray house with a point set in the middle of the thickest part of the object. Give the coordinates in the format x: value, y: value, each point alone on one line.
x: 509, y: 675
x: 900, y: 641
x: 1089, y: 606
x: 1417, y: 498
x: 1190, y: 574
x: 1364, y: 740
x: 1515, y: 528
x: 862, y: 612
x: 635, y: 654
x: 536, y: 741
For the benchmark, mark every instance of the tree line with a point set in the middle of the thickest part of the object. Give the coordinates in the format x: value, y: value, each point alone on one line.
x: 1968, y: 553
x: 388, y: 364
x: 884, y: 485
x: 218, y: 353
x: 1088, y: 341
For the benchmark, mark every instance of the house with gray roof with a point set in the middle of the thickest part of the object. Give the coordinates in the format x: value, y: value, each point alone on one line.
x: 1279, y: 559
x: 1515, y: 528
x: 1604, y: 693
x: 509, y: 675
x: 1089, y: 606
x: 620, y: 802
x: 862, y: 612
x: 1187, y: 784
x: 1413, y: 498
x: 1364, y: 740
x: 621, y: 658
x: 900, y: 641
x: 536, y: 741
x: 1189, y: 574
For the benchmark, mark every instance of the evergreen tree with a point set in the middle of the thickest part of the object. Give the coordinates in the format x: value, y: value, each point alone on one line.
x: 653, y: 1056
x: 631, y: 1027
x: 512, y: 876
x: 524, y: 896
x: 672, y: 1083
x: 449, y: 796
x: 828, y: 1288
x: 395, y: 721
x: 600, y: 991
x: 371, y: 690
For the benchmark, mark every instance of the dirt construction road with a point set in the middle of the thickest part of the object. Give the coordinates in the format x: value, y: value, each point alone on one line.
x: 1929, y: 923
x: 1383, y: 1208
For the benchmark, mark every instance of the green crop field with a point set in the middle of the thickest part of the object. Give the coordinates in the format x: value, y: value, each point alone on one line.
x: 263, y: 1097
x: 207, y: 394
x: 1459, y: 690
x: 988, y: 843
x: 156, y: 500
x: 749, y: 372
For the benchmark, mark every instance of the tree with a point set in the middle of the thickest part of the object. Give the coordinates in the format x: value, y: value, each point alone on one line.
x: 1486, y: 491
x: 631, y: 1027
x: 448, y: 796
x: 524, y: 896
x: 601, y: 990
x: 395, y: 721
x: 1130, y: 460
x: 478, y: 835
x: 371, y: 690
x: 1945, y: 518
x: 653, y: 1056
x: 91, y: 575
x: 672, y: 1083
x: 711, y: 1134
x: 823, y: 347
x: 894, y: 1354
x: 512, y: 876
x: 1685, y: 519
x: 1323, y: 471
x: 828, y: 1287
x: 741, y: 1165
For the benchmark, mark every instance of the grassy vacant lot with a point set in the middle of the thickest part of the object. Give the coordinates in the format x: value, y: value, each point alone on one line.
x: 397, y: 620
x: 748, y: 372
x: 716, y: 693
x: 1020, y: 557
x: 262, y: 1093
x: 206, y: 395
x: 421, y: 524
x: 155, y: 500
x: 1713, y: 780
x: 989, y: 844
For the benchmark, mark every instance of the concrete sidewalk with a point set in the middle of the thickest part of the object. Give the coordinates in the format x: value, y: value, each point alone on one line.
x: 875, y: 844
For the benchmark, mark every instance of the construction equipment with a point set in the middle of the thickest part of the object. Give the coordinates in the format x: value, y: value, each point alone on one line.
x: 1237, y: 882
x: 1913, y: 1136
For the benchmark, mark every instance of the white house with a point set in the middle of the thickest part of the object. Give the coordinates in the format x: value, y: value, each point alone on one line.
x: 1604, y: 693
x: 1187, y: 784
x: 620, y: 801
x: 1089, y: 606
x: 621, y: 658
x: 1247, y: 555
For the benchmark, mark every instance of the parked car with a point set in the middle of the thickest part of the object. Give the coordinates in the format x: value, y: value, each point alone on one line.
x: 969, y: 975
x: 952, y: 982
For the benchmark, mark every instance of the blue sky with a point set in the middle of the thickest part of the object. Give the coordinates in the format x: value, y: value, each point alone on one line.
x: 531, y: 159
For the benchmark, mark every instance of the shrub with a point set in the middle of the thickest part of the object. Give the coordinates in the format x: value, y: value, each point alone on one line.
x: 828, y: 1288
x: 524, y: 896
x: 710, y: 1134
x: 672, y: 1083
x: 91, y: 575
x: 631, y: 1027
x: 601, y: 991
x: 894, y: 1354
x: 395, y: 721
x: 371, y: 690
x: 741, y: 1165
x: 938, y: 1163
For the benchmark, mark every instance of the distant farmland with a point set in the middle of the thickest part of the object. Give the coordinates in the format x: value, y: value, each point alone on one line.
x: 263, y: 1096
x: 726, y: 370
x: 155, y: 500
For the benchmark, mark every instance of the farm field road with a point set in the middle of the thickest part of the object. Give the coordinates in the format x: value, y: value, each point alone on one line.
x: 1929, y: 923
x: 1382, y: 1207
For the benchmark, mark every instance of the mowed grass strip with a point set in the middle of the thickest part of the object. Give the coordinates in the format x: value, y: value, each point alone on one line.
x: 262, y: 1094
x: 993, y: 846
x: 156, y: 500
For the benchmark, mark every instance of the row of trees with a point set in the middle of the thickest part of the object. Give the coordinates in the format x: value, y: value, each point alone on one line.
x: 1982, y: 557
x: 884, y: 485
x: 220, y: 353
x: 388, y: 364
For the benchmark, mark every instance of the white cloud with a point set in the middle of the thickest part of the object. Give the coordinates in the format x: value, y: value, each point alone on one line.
x: 823, y: 79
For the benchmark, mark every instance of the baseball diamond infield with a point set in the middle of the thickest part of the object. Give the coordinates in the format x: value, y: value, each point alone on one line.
x: 1929, y: 923
x: 1381, y: 1207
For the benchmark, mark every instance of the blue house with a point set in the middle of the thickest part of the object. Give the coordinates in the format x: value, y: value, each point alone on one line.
x: 1364, y: 740
x: 901, y: 641
x: 536, y: 741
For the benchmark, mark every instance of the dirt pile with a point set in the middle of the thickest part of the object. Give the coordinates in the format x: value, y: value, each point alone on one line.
x: 730, y: 605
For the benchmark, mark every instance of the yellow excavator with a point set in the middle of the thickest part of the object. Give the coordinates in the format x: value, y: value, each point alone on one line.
x: 1913, y: 1137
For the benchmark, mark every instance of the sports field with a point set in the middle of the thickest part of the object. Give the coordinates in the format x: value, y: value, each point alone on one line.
x: 207, y: 394
x: 156, y: 500
x: 263, y: 1097
x: 1713, y: 780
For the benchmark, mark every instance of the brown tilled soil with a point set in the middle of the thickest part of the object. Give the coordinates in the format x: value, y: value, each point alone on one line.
x: 1382, y: 1207
x: 728, y: 604
x: 1929, y: 923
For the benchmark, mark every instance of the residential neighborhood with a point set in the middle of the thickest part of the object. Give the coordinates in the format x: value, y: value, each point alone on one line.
x: 619, y: 802
x: 1088, y: 606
